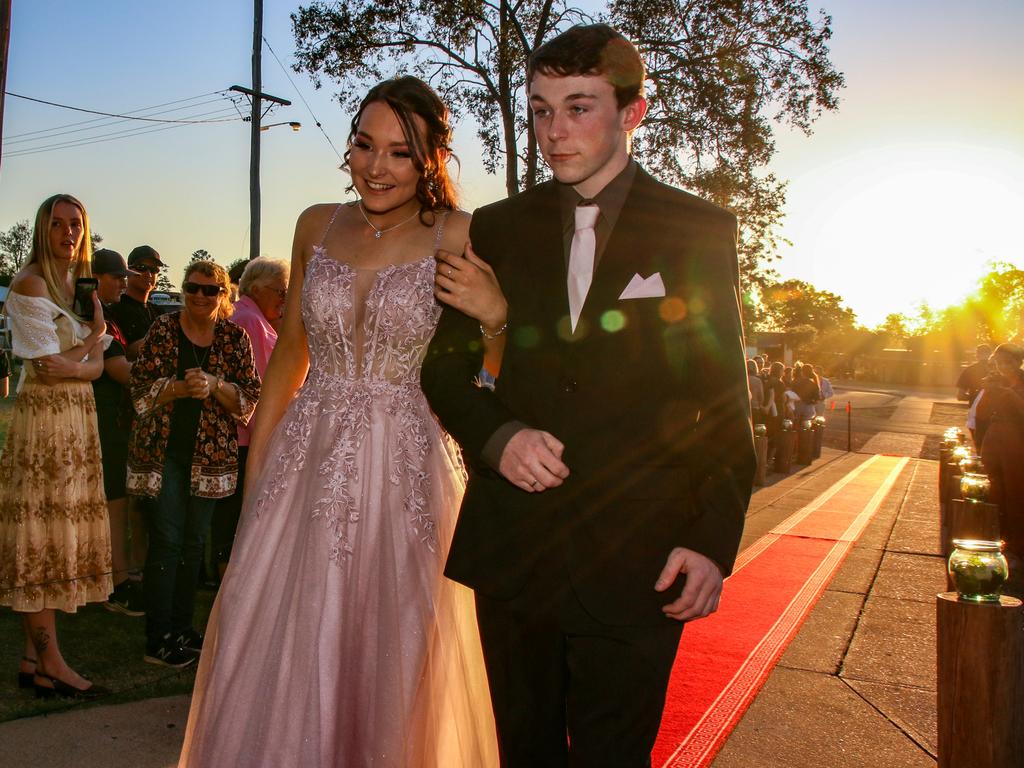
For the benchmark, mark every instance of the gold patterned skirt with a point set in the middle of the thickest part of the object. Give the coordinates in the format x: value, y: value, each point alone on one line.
x: 54, y: 528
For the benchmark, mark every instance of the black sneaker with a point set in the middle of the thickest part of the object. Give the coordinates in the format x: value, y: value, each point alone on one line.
x: 127, y: 599
x: 168, y: 653
x: 190, y: 640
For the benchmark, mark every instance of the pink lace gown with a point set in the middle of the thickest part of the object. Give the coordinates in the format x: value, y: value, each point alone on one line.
x: 335, y: 640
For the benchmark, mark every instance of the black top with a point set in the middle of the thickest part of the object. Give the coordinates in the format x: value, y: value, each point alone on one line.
x: 133, y: 317
x: 807, y: 389
x: 112, y: 402
x: 185, y: 417
x: 972, y: 379
x: 5, y: 364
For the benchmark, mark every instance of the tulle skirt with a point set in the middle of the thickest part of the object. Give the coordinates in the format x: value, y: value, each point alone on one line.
x: 335, y: 640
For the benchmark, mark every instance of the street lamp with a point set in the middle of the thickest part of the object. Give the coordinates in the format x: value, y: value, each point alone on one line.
x: 292, y: 124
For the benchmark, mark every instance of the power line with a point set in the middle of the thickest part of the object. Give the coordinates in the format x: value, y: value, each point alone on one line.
x: 111, y: 114
x: 130, y: 112
x: 315, y: 120
x: 103, y: 122
x: 128, y: 133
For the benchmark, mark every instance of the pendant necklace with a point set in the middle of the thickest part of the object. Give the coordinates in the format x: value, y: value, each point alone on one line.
x: 195, y: 355
x: 377, y: 232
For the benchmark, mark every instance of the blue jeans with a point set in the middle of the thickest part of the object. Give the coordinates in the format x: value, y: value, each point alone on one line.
x: 178, y: 523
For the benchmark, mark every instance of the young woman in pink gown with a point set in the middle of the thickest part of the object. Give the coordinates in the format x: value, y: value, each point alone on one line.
x: 335, y: 640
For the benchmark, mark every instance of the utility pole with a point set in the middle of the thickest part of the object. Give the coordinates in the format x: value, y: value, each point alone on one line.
x: 254, y: 153
x: 257, y: 98
x: 5, y: 44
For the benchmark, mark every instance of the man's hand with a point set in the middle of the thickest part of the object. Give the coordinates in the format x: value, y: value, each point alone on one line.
x: 703, y: 584
x: 532, y: 460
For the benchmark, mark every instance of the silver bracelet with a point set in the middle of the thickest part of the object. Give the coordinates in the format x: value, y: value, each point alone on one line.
x: 496, y: 334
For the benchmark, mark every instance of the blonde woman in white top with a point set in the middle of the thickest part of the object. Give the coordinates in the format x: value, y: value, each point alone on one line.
x: 54, y: 529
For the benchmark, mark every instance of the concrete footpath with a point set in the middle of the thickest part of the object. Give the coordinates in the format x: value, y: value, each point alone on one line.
x: 855, y: 688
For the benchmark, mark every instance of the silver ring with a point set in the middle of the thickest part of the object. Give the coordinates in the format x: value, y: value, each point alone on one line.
x: 450, y: 273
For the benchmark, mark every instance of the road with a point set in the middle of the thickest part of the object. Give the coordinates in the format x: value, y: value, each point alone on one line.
x: 900, y: 421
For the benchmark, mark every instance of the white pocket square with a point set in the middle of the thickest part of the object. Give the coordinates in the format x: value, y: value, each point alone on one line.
x: 644, y: 288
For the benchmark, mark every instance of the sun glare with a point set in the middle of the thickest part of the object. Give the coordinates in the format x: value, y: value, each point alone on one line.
x: 890, y: 227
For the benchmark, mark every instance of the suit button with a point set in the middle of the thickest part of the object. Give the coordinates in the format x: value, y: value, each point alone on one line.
x: 569, y: 385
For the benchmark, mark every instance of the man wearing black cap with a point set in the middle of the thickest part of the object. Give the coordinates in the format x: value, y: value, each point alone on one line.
x: 134, y: 314
x: 114, y: 418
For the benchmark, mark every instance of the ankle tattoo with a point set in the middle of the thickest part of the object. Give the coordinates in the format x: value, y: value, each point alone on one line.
x: 41, y: 639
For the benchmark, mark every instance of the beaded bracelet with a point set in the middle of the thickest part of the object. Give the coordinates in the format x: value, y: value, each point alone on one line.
x: 496, y: 334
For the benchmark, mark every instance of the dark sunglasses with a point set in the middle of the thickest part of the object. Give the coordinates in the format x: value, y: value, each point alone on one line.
x: 206, y: 290
x: 150, y: 270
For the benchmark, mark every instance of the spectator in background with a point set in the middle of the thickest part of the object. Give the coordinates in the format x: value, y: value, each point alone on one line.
x: 827, y: 393
x: 134, y: 313
x: 263, y: 287
x: 756, y: 392
x: 193, y: 382
x: 235, y: 274
x: 775, y: 403
x: 114, y: 419
x: 54, y: 532
x: 805, y: 385
x: 1002, y: 452
x: 5, y: 374
x: 972, y: 377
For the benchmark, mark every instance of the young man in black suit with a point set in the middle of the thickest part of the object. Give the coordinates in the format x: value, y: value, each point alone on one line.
x: 611, y: 467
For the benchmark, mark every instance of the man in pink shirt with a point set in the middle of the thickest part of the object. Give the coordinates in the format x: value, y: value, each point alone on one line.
x: 262, y: 290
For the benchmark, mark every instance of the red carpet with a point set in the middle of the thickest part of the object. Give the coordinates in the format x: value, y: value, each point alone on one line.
x: 724, y: 660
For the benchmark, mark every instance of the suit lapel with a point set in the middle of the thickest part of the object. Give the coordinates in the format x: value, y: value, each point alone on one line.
x: 540, y: 223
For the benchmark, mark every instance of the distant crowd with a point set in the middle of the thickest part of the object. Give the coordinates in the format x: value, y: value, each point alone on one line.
x: 779, y: 392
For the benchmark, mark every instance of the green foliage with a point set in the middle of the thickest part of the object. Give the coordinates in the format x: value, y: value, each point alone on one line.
x: 723, y: 73
x: 15, y: 246
x: 794, y: 303
x: 200, y: 255
x: 895, y: 330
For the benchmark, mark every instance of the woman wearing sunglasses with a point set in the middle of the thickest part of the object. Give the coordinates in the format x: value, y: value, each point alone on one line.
x: 193, y: 383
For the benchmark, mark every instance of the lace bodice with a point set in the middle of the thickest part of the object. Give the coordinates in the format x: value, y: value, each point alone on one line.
x: 372, y: 325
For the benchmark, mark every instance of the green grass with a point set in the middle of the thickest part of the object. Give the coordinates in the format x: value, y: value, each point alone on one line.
x: 107, y: 647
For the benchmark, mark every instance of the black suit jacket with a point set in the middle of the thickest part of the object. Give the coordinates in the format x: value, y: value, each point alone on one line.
x: 649, y: 397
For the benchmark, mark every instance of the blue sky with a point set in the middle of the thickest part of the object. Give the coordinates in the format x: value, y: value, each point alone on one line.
x: 903, y: 195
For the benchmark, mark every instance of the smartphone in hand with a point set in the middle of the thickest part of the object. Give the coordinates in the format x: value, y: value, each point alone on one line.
x: 85, y: 287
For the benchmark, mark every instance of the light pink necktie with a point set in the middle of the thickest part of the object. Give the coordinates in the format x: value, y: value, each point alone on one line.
x: 581, y: 260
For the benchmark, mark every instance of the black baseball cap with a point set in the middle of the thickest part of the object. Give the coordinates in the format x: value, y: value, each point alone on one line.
x: 108, y: 262
x: 144, y: 252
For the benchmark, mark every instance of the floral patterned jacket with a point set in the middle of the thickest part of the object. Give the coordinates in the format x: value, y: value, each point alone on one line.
x: 215, y: 460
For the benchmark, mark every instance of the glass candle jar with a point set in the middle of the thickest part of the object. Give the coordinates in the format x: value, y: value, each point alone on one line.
x: 819, y: 421
x: 787, y: 424
x: 805, y: 425
x: 960, y: 453
x: 974, y: 486
x: 760, y: 430
x: 978, y: 569
x: 972, y: 464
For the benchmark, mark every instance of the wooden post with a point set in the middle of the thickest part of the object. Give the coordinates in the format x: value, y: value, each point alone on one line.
x: 761, y: 451
x: 819, y: 438
x: 972, y: 520
x: 804, y: 446
x: 785, y: 442
x: 980, y: 683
